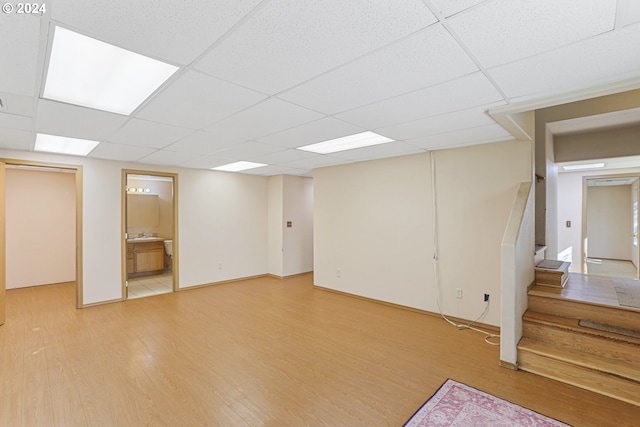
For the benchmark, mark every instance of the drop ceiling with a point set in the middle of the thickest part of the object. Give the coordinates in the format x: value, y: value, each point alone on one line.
x: 258, y: 79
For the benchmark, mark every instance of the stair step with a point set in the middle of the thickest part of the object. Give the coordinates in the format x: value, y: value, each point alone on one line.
x: 595, y: 380
x: 567, y: 333
x: 594, y: 362
x: 541, y: 302
x: 552, y: 273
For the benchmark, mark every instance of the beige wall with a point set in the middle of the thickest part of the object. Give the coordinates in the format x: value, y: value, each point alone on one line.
x: 373, y: 222
x: 620, y: 142
x: 41, y: 221
x: 609, y: 222
x: 164, y: 190
x: 222, y: 219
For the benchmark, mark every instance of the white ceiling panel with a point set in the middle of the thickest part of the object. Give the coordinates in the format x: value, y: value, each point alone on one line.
x: 275, y: 170
x: 57, y: 118
x: 164, y: 157
x: 248, y: 151
x: 195, y: 100
x: 143, y: 133
x: 173, y: 31
x: 478, y: 135
x: 385, y: 73
x: 317, y: 161
x: 290, y: 41
x: 265, y: 118
x: 19, y: 43
x: 451, y: 7
x: 520, y: 28
x: 463, y: 93
x: 205, y: 162
x: 15, y: 139
x: 444, y: 123
x: 604, y: 59
x: 628, y: 13
x: 120, y: 152
x: 20, y: 105
x: 310, y: 133
x: 390, y: 149
x: 286, y: 155
x: 201, y: 142
x: 13, y: 121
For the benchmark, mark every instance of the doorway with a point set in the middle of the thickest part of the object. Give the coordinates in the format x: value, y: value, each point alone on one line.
x: 610, y: 231
x: 149, y: 230
x: 41, y: 216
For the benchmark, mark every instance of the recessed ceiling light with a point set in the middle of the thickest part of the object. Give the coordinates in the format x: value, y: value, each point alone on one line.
x: 95, y: 74
x: 239, y: 166
x: 584, y: 166
x: 64, y: 145
x: 359, y: 140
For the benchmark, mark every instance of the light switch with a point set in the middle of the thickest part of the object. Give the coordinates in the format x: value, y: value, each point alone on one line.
x: 568, y: 224
x: 289, y: 224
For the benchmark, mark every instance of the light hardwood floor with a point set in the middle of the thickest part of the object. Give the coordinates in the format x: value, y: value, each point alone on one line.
x: 261, y: 352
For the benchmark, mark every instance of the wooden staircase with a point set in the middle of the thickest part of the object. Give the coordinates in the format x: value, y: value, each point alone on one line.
x: 555, y: 345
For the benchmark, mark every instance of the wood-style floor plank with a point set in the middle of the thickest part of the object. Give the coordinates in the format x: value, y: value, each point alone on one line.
x: 251, y: 353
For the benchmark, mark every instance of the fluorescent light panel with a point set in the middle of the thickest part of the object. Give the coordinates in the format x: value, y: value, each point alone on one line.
x: 584, y: 166
x: 64, y: 145
x: 91, y: 73
x: 239, y: 166
x: 359, y: 140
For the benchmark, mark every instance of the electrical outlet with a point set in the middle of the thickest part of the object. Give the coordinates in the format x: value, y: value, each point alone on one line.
x: 459, y: 293
x: 486, y: 297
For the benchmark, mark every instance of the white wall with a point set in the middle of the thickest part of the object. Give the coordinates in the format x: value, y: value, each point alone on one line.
x: 275, y: 218
x: 570, y: 205
x: 373, y: 221
x: 222, y: 219
x: 298, y: 239
x: 609, y: 222
x: 40, y: 227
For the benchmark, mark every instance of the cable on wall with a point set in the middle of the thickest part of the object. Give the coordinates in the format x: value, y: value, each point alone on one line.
x: 434, y: 223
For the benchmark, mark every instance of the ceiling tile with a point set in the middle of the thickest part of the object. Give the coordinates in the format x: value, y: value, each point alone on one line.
x: 195, y: 100
x: 265, y: 118
x: 201, y: 142
x: 388, y: 72
x: 451, y: 7
x: 13, y: 121
x: 173, y: 31
x: 123, y: 153
x: 477, y: 135
x: 163, y: 157
x: 205, y: 162
x: 57, y: 118
x: 143, y: 133
x: 310, y: 133
x: 628, y: 13
x: 247, y: 151
x: 290, y: 41
x: 15, y: 139
x: 521, y: 28
x: 600, y: 60
x: 20, y: 105
x: 274, y: 170
x: 317, y: 161
x: 465, y: 92
x: 390, y: 149
x: 19, y: 45
x: 440, y: 124
x: 287, y: 155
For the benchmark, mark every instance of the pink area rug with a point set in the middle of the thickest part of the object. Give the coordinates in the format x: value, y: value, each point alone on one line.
x: 456, y: 404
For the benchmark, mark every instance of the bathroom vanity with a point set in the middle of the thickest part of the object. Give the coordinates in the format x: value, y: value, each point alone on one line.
x: 145, y: 256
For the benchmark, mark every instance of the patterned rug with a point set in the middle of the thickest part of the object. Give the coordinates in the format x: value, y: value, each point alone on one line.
x: 628, y: 291
x: 456, y: 404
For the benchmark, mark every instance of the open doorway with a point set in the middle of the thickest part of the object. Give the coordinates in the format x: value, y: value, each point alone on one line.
x: 41, y: 219
x: 149, y: 222
x: 610, y: 232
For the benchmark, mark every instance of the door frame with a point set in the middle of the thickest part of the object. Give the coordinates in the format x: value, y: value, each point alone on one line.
x: 585, y: 190
x: 3, y: 249
x: 123, y: 222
